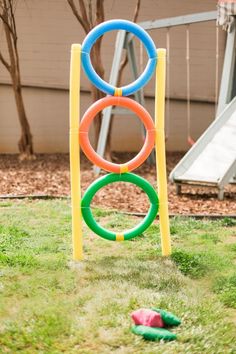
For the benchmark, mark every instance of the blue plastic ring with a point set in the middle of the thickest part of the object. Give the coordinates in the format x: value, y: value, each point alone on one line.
x: 128, y: 26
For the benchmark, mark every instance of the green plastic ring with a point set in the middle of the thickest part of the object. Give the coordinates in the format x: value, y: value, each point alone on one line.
x: 124, y: 177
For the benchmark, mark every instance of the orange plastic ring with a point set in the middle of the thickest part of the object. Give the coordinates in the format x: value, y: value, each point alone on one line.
x: 140, y: 111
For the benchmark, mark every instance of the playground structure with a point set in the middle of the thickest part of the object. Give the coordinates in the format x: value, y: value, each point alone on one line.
x: 154, y: 136
x: 208, y: 162
x: 211, y: 161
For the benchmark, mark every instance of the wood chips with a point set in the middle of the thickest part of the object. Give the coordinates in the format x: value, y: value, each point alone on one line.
x: 49, y: 175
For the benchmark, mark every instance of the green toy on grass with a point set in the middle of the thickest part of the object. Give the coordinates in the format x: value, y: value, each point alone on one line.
x: 142, y: 317
x: 153, y: 333
x: 167, y: 317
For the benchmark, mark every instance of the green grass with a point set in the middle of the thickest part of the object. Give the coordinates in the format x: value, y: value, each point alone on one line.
x: 48, y: 305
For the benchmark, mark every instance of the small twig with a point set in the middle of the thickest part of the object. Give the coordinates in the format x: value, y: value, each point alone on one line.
x: 5, y: 63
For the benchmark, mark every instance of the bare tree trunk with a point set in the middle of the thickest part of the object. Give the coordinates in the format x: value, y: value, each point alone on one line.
x: 7, y: 17
x: 25, y: 143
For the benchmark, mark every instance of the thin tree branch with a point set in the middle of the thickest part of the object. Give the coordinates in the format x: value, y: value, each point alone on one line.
x: 136, y: 11
x: 125, y: 60
x: 90, y: 13
x: 14, y: 34
x: 84, y: 13
x: 12, y: 19
x: 100, y: 16
x: 7, y: 17
x: 5, y: 63
x: 5, y: 22
x: 11, y: 49
x: 79, y: 18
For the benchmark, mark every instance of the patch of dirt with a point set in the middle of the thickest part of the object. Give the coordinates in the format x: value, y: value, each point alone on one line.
x: 49, y: 174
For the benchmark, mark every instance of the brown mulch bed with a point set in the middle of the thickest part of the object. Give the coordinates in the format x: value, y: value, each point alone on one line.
x: 49, y: 175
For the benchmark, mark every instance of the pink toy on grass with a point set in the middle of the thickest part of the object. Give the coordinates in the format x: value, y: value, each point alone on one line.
x: 147, y: 317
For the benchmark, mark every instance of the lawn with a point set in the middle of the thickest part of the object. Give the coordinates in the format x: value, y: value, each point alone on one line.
x: 49, y: 305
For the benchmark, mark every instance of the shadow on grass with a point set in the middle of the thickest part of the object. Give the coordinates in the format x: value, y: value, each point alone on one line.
x: 153, y: 274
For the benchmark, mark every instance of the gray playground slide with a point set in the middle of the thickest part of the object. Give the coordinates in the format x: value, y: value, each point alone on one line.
x: 212, y: 159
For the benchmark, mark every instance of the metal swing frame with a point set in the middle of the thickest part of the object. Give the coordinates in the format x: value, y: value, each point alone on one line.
x: 214, y: 138
x: 124, y: 40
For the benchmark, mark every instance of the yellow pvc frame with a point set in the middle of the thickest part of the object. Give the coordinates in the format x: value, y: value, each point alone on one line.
x: 160, y: 151
x: 75, y: 152
x: 75, y: 66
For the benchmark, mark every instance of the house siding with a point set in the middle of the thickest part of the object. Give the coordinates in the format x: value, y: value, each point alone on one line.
x: 46, y: 30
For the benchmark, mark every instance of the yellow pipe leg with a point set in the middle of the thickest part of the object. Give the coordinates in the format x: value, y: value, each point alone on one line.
x: 75, y: 66
x: 160, y: 151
